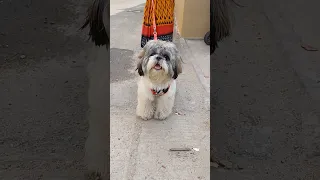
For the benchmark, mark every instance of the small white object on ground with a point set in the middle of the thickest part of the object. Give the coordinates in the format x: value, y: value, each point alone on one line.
x: 196, y: 149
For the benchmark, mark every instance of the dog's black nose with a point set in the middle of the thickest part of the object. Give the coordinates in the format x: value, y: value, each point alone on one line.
x: 158, y: 58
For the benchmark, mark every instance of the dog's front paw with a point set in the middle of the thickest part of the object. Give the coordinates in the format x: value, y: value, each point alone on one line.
x: 146, y: 118
x: 145, y: 113
x: 161, y: 115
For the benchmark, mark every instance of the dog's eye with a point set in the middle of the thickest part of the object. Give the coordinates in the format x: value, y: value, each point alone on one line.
x: 167, y: 57
x: 152, y: 54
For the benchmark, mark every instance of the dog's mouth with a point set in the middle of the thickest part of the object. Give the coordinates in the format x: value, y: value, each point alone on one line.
x: 157, y: 67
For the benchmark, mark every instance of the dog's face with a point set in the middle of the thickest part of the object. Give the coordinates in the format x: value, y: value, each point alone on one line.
x: 159, y: 60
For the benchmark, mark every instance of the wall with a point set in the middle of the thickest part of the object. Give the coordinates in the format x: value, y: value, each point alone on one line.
x: 193, y: 18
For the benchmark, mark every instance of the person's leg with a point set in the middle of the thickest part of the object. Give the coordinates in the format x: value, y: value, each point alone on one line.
x: 165, y: 19
x: 164, y: 13
x: 146, y: 26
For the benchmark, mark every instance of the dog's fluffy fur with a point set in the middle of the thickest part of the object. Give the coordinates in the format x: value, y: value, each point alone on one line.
x: 159, y: 64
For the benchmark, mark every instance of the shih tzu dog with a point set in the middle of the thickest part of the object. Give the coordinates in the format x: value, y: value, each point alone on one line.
x: 159, y: 64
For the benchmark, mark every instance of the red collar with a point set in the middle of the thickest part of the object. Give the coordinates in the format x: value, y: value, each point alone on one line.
x: 160, y: 92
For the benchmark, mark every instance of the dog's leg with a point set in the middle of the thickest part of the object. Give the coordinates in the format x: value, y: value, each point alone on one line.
x: 164, y: 107
x: 145, y: 108
x: 165, y: 103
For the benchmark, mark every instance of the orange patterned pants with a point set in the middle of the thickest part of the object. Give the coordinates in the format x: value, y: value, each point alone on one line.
x: 164, y: 15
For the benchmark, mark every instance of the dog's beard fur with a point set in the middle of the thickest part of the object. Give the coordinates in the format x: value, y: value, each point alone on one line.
x: 158, y: 76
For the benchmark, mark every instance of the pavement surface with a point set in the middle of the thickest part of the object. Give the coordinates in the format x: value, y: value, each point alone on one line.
x: 265, y: 94
x: 197, y: 51
x: 43, y: 89
x: 140, y: 149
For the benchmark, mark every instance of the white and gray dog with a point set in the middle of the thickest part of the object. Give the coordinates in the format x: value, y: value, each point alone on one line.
x: 159, y: 64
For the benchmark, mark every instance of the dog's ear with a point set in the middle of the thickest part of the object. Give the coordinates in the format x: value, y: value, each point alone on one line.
x: 139, y: 62
x: 141, y: 54
x: 139, y: 68
x: 178, y: 68
x: 95, y: 20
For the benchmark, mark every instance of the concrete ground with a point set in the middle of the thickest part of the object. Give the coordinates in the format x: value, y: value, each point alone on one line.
x: 197, y: 50
x: 265, y: 89
x: 140, y: 149
x: 43, y: 90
